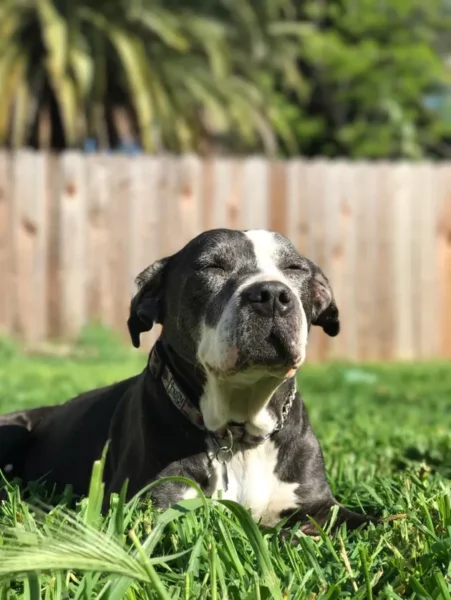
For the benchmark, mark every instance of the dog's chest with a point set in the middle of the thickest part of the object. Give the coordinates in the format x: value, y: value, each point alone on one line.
x: 252, y: 482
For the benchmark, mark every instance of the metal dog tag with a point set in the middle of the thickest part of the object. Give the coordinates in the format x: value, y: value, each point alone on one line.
x: 223, y: 455
x: 225, y: 477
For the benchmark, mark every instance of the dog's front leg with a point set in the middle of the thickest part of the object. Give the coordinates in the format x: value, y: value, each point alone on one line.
x: 195, y: 468
x: 321, y: 514
x: 300, y: 461
x: 166, y: 493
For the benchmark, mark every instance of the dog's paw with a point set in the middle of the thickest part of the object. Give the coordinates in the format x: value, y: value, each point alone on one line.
x: 344, y: 515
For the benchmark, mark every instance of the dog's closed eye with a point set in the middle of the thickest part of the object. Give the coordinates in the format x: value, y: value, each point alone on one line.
x: 213, y: 267
x: 296, y: 267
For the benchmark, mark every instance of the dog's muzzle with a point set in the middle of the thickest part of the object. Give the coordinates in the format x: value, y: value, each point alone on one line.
x: 263, y: 328
x: 269, y: 325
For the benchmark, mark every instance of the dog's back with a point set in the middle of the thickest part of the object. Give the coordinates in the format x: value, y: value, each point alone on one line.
x: 60, y: 443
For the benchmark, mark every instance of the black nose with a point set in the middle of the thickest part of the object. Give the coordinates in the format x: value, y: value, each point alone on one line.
x: 270, y: 298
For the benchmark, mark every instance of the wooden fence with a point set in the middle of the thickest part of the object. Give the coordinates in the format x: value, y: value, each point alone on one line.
x: 75, y: 230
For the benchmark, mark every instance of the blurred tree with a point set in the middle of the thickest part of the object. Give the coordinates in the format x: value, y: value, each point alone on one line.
x: 178, y: 72
x: 358, y: 78
x: 370, y: 65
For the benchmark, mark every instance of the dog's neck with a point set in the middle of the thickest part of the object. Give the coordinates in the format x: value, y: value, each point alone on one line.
x: 190, y: 377
x: 253, y: 398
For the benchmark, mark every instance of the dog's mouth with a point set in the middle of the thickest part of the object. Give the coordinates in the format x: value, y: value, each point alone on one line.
x: 275, y: 357
x: 286, y: 369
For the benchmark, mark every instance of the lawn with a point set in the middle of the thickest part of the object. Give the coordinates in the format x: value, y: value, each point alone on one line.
x: 386, y: 435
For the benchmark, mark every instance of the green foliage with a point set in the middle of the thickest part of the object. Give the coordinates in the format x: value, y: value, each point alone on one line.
x: 369, y: 66
x: 385, y: 432
x: 336, y: 78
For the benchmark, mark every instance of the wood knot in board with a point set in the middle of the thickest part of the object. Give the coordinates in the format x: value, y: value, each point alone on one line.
x: 95, y: 216
x: 71, y: 189
x: 123, y: 183
x: 233, y: 212
x: 304, y: 228
x: 186, y: 194
x: 345, y: 209
x: 29, y: 227
x: 2, y: 194
x: 337, y: 251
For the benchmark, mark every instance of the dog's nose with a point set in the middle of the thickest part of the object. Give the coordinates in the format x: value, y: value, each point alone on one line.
x: 270, y: 298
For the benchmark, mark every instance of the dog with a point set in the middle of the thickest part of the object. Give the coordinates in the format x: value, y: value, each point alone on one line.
x: 217, y: 401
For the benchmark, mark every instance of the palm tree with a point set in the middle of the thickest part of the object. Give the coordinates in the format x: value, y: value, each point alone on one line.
x: 180, y: 71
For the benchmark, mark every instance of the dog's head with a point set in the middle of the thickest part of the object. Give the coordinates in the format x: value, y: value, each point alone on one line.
x: 235, y: 301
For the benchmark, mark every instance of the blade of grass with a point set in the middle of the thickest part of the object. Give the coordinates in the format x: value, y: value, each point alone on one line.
x: 258, y: 544
x: 213, y: 571
x: 32, y: 587
x: 118, y: 588
x: 364, y: 560
x: 153, y: 576
x: 96, y: 490
x: 442, y: 586
x: 231, y: 550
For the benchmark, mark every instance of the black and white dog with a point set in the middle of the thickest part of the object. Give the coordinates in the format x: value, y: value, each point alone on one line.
x: 217, y: 401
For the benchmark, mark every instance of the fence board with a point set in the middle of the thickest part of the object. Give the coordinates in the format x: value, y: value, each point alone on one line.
x: 6, y: 271
x: 346, y: 298
x: 278, y: 203
x: 234, y: 205
x: 366, y: 261
x: 297, y: 219
x: 72, y: 244
x: 403, y: 262
x: 53, y: 248
x: 255, y: 194
x: 221, y: 193
x: 444, y: 263
x: 384, y: 273
x: 190, y: 204
x: 168, y: 191
x: 425, y: 275
x: 208, y: 187
x: 29, y: 246
x: 75, y: 230
x: 98, y: 189
x: 41, y: 205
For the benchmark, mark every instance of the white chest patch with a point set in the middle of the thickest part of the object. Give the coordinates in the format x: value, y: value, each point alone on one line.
x: 252, y: 482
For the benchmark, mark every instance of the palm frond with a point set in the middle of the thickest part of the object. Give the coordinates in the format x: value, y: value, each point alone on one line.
x: 12, y: 69
x: 166, y: 63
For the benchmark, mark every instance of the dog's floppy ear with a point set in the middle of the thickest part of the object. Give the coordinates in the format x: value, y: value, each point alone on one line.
x: 325, y: 311
x: 147, y: 306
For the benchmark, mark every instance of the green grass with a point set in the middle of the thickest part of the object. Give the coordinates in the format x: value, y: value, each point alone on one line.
x: 386, y: 435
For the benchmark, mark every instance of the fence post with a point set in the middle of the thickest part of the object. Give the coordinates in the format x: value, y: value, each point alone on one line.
x: 6, y: 273
x: 72, y: 243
